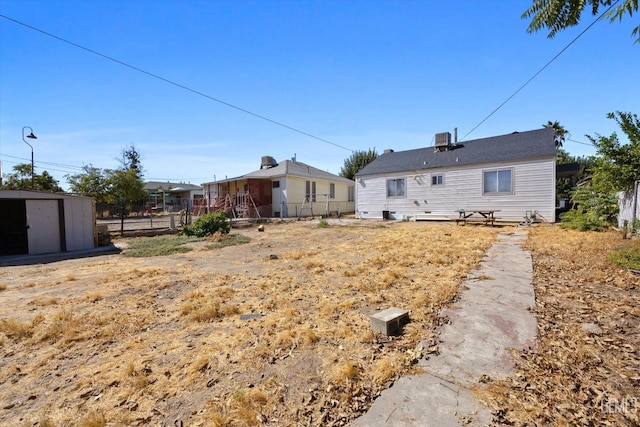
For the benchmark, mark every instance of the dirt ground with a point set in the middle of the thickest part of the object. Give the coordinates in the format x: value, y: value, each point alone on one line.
x: 276, y: 331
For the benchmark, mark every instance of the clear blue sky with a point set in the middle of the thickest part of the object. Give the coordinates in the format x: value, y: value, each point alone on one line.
x: 360, y: 74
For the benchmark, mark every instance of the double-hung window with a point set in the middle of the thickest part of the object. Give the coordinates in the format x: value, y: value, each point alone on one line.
x: 437, y: 179
x: 498, y: 181
x: 310, y: 187
x: 395, y: 187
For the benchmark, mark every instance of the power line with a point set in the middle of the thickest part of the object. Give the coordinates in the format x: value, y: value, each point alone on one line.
x: 579, y: 142
x: 36, y: 165
x: 181, y: 86
x: 540, y: 70
x: 62, y: 165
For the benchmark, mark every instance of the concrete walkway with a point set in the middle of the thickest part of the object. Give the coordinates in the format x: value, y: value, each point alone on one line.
x: 491, y: 316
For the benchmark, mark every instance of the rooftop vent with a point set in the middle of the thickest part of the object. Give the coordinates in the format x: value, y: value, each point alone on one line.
x: 388, y: 150
x: 443, y: 141
x: 268, y: 162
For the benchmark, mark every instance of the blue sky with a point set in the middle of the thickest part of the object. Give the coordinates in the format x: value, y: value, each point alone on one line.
x: 360, y: 74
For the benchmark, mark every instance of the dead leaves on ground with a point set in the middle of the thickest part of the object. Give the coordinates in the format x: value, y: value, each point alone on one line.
x: 585, y: 370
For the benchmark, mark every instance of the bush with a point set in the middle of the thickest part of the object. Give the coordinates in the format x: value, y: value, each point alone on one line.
x: 595, y: 210
x: 207, y: 225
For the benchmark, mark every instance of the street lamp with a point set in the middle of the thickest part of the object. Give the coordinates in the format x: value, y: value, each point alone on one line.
x: 32, y: 136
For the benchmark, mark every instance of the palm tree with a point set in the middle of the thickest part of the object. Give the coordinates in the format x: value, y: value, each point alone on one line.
x: 559, y: 132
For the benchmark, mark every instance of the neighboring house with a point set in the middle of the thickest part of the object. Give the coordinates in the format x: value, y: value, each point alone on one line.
x: 172, y: 196
x: 286, y: 189
x: 513, y: 173
x: 32, y: 222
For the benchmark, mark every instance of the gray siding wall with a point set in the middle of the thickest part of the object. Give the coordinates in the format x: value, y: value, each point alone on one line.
x: 533, y: 190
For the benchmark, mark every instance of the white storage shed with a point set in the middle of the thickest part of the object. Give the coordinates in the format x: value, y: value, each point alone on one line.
x: 34, y: 222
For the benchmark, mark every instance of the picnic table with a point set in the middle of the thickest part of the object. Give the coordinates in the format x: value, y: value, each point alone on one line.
x: 487, y: 216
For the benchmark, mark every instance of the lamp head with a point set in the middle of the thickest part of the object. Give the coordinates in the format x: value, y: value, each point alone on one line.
x: 32, y: 136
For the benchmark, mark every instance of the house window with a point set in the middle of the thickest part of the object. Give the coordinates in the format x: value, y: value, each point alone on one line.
x: 310, y: 193
x: 332, y: 190
x: 395, y: 187
x: 351, y: 193
x: 437, y: 179
x: 275, y: 184
x: 498, y: 181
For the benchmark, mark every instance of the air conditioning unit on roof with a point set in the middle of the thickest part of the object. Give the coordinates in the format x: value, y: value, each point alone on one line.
x: 443, y: 141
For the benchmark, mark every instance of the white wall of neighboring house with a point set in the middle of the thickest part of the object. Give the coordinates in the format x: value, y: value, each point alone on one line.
x: 625, y: 202
x: 462, y: 188
x: 296, y: 192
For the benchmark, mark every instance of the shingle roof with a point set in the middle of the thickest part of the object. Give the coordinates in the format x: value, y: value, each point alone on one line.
x: 291, y: 168
x: 516, y: 146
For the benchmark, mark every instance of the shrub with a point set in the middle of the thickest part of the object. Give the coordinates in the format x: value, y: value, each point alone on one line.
x: 596, y: 210
x: 207, y: 225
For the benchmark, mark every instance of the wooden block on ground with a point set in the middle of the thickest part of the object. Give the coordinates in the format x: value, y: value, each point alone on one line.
x: 389, y: 321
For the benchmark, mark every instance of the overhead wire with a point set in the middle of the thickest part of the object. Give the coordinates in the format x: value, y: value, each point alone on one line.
x: 171, y: 82
x: 540, y: 70
x: 580, y: 142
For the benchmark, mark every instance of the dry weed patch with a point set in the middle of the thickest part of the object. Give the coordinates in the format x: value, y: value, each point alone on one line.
x: 234, y: 336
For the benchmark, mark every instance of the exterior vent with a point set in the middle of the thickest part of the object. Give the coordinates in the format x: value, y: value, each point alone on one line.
x: 268, y: 162
x: 443, y: 141
x: 388, y: 150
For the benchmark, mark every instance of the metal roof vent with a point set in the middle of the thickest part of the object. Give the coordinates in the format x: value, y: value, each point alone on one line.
x: 443, y: 141
x: 388, y: 150
x: 268, y: 162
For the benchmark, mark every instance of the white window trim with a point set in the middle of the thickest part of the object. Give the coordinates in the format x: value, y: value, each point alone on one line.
x: 500, y: 193
x: 404, y: 196
x: 443, y: 181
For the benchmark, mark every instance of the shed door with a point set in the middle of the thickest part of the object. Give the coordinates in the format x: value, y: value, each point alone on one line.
x: 13, y: 227
x: 43, y: 226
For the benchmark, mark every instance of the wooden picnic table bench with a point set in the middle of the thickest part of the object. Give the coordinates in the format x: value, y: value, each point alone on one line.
x: 487, y: 216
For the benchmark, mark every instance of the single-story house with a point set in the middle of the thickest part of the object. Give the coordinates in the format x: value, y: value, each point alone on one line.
x: 286, y: 189
x: 514, y: 174
x: 34, y: 222
x: 172, y: 196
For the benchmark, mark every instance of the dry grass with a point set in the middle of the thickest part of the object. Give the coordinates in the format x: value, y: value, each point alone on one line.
x: 161, y: 339
x: 585, y: 371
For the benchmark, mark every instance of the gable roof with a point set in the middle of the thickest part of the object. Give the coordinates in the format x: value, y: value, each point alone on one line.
x: 517, y: 146
x: 290, y: 168
x: 170, y: 186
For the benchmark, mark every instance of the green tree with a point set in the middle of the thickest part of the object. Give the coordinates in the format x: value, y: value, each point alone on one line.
x: 124, y: 185
x: 20, y: 179
x: 124, y: 189
x: 557, y: 15
x: 132, y: 159
x: 564, y: 185
x: 559, y: 132
x: 618, y: 165
x: 91, y: 183
x: 356, y: 162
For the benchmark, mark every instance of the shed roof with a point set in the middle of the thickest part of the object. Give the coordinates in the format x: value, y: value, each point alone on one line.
x: 517, y: 146
x: 290, y: 168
